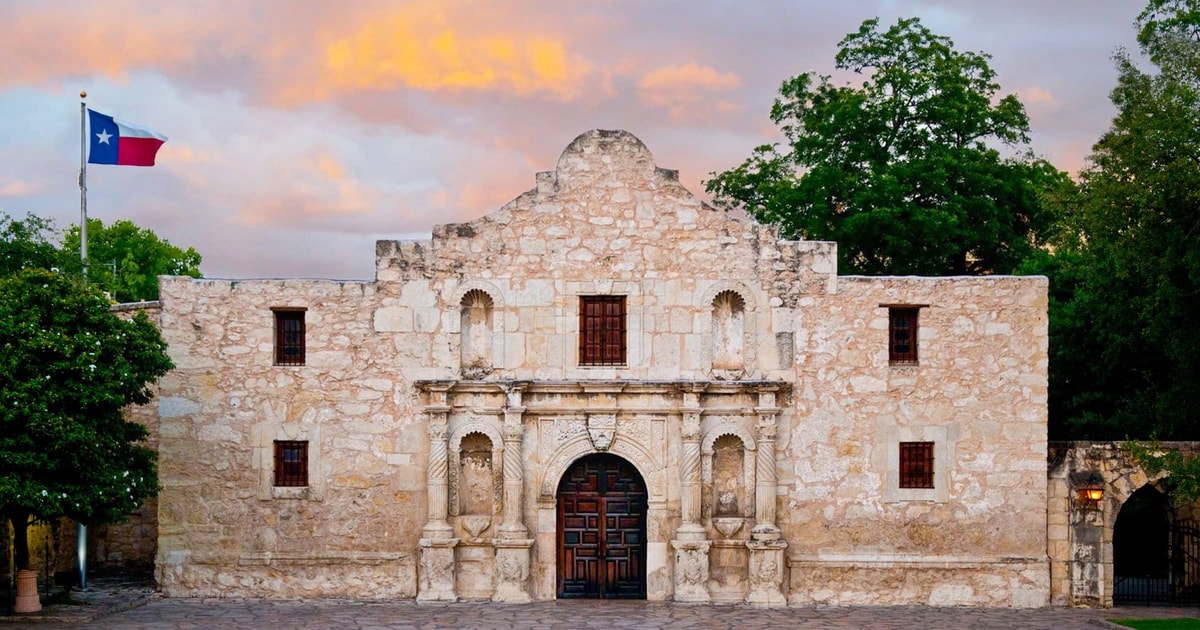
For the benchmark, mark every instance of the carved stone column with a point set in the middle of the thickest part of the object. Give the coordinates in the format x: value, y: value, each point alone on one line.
x: 514, y: 465
x: 513, y: 546
x: 691, y: 546
x: 691, y: 570
x: 765, y: 490
x: 689, y: 473
x: 766, y: 544
x: 436, y: 578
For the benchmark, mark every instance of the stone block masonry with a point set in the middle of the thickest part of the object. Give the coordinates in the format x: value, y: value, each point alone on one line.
x: 745, y: 390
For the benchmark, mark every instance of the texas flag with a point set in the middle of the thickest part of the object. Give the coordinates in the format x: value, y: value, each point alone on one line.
x: 115, y: 141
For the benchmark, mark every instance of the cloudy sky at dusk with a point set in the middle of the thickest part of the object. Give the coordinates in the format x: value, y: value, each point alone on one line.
x: 303, y: 131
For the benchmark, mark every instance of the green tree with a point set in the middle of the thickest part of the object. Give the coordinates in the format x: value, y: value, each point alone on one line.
x: 126, y: 260
x: 900, y: 171
x: 27, y: 243
x: 1126, y: 344
x: 68, y: 369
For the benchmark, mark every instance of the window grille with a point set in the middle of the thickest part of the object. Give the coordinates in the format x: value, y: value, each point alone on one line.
x: 602, y: 330
x: 902, y: 334
x: 916, y: 464
x: 291, y: 463
x: 289, y: 337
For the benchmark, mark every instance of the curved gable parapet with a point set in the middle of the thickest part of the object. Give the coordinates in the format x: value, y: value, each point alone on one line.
x: 606, y: 210
x: 603, y: 156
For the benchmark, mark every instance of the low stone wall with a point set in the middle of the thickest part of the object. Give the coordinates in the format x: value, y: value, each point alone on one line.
x: 931, y: 581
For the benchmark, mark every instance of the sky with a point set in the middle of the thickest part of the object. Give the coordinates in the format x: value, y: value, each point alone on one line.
x: 302, y: 131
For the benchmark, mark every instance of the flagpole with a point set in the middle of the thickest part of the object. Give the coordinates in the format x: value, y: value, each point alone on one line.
x: 83, y: 182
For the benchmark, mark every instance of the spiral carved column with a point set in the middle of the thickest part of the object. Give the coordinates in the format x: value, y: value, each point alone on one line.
x: 436, y: 575
x: 766, y: 542
x: 513, y: 545
x: 690, y: 544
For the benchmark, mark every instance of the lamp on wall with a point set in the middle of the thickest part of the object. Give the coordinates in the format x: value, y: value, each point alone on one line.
x: 1089, y: 487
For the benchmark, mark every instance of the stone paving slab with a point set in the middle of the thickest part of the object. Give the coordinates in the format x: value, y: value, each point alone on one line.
x: 248, y: 614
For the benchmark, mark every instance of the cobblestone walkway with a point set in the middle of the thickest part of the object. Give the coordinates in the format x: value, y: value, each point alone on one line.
x: 239, y: 614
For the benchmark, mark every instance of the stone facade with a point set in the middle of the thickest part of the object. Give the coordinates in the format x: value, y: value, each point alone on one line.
x: 442, y: 404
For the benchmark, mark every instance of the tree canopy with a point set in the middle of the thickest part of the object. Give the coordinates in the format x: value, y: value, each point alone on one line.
x: 1125, y: 345
x: 124, y: 260
x: 68, y: 369
x: 26, y: 243
x: 902, y: 170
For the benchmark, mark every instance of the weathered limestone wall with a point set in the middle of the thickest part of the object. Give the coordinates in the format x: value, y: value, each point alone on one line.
x: 756, y: 401
x: 223, y: 528
x: 979, y: 392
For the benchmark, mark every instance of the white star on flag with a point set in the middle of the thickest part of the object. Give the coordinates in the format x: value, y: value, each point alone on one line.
x: 103, y: 136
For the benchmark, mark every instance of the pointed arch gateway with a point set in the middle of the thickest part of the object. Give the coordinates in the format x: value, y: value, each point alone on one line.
x: 601, y: 533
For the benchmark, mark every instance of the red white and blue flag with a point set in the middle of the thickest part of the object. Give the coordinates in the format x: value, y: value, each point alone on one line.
x: 115, y: 141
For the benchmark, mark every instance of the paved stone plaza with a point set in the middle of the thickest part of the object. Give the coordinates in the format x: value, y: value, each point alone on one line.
x: 243, y: 614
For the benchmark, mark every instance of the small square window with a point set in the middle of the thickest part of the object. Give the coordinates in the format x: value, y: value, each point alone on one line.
x: 916, y: 464
x: 902, y: 334
x: 602, y: 330
x: 291, y: 463
x: 289, y: 337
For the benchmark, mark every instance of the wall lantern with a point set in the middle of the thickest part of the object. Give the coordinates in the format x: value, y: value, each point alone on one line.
x: 1089, y: 487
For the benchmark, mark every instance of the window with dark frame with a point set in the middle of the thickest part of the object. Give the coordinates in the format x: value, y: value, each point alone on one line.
x: 291, y: 463
x: 916, y: 464
x: 602, y: 330
x: 289, y: 336
x: 902, y: 334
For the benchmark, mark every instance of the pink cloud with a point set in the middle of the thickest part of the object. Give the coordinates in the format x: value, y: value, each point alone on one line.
x: 687, y: 92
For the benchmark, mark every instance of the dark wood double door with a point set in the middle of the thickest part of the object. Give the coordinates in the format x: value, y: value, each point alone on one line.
x: 602, y: 530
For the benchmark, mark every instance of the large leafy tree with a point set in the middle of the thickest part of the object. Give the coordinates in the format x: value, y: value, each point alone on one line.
x: 903, y: 170
x: 1125, y: 342
x: 68, y: 369
x: 124, y: 260
x: 26, y: 243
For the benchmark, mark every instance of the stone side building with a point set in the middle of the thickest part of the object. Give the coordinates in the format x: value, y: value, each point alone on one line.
x: 607, y: 388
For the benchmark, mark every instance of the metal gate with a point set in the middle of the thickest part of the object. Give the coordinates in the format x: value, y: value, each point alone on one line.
x: 1172, y: 579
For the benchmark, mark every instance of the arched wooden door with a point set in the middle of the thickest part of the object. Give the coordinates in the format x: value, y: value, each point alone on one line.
x: 602, y: 530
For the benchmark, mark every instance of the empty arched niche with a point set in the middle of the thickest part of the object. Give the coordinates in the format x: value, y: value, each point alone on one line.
x: 728, y: 331
x: 476, y: 330
x: 728, y: 474
x: 476, y: 477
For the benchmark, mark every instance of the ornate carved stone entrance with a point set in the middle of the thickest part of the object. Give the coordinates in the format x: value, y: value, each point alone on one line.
x: 613, y: 489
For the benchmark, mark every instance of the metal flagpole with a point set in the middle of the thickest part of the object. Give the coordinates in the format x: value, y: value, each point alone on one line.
x: 83, y: 181
x: 80, y: 528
